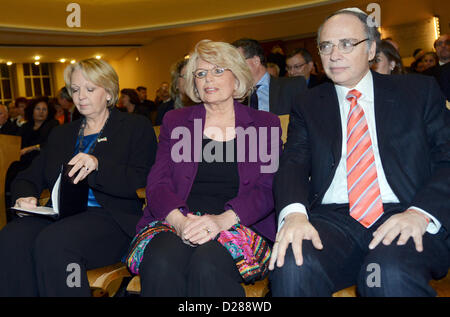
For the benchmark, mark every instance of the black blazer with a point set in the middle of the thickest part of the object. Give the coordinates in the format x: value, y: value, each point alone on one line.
x: 283, y: 93
x: 413, y: 132
x: 124, y: 160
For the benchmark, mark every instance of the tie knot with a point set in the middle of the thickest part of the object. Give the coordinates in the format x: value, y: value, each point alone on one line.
x: 353, y: 95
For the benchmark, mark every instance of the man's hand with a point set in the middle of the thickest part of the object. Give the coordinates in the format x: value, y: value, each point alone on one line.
x: 410, y: 223
x: 296, y: 228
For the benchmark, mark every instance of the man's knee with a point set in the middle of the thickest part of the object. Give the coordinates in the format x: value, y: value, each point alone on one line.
x: 307, y: 279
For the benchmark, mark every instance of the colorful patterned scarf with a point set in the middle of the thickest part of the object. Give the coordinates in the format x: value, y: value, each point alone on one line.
x: 250, y: 252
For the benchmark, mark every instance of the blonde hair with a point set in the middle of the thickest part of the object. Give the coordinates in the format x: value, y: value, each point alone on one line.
x: 98, y: 72
x: 222, y: 55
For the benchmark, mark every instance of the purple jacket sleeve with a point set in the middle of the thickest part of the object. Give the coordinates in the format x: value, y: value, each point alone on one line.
x: 160, y: 190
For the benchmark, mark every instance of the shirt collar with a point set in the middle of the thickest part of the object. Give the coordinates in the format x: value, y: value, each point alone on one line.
x: 365, y: 87
x: 265, y: 80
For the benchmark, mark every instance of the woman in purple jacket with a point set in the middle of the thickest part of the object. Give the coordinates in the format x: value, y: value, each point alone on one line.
x: 209, y: 222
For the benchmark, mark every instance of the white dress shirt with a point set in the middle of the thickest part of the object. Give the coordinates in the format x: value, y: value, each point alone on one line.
x: 337, y: 192
x: 263, y: 92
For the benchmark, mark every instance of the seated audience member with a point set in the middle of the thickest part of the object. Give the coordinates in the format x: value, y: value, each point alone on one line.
x: 442, y: 70
x: 6, y: 126
x: 148, y: 105
x: 430, y: 60
x: 273, y: 94
x: 343, y: 214
x: 277, y: 57
x: 113, y: 152
x: 299, y: 62
x: 387, y: 60
x: 442, y: 47
x: 273, y: 69
x: 178, y: 99
x: 162, y: 93
x: 418, y: 66
x: 203, y: 210
x: 17, y: 111
x: 70, y: 110
x: 129, y: 99
x: 40, y: 122
x: 60, y: 113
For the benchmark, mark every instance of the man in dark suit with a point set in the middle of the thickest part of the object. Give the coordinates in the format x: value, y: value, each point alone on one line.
x: 274, y: 94
x: 6, y: 126
x: 299, y: 62
x: 442, y: 71
x: 71, y: 112
x: 364, y: 180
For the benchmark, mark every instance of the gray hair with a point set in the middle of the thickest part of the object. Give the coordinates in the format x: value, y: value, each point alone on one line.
x: 371, y: 31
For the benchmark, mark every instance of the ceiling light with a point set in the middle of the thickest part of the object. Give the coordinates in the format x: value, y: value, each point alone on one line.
x: 62, y: 60
x: 98, y: 57
x: 36, y: 63
x: 37, y: 57
x: 72, y: 61
x: 9, y: 63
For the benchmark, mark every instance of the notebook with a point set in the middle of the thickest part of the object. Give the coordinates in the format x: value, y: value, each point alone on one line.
x: 67, y: 198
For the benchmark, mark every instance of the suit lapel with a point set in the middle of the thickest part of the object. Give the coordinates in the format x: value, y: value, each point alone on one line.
x: 384, y: 101
x: 274, y: 88
x: 113, y: 126
x: 328, y: 109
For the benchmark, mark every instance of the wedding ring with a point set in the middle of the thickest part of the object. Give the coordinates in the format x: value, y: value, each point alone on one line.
x: 207, y: 231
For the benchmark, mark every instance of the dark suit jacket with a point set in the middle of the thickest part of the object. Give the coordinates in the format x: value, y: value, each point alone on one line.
x: 316, y: 80
x: 124, y: 161
x: 442, y: 75
x: 283, y: 93
x: 9, y: 128
x: 413, y: 132
x: 169, y: 183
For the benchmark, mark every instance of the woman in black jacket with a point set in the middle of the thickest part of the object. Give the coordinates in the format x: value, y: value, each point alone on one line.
x: 114, y: 152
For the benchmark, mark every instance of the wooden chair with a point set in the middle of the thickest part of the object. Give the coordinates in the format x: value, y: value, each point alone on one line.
x: 9, y: 152
x: 284, y: 120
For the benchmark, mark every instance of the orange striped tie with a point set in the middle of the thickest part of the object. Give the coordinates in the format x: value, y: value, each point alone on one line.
x: 362, y: 183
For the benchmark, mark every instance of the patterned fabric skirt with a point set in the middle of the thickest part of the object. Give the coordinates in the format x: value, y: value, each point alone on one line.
x: 250, y: 252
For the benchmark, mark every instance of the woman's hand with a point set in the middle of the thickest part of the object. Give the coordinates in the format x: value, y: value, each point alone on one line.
x: 85, y: 164
x: 26, y: 202
x: 201, y: 229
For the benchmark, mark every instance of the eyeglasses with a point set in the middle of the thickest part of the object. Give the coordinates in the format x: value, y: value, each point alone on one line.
x: 296, y: 66
x: 442, y: 43
x: 345, y: 46
x: 216, y: 72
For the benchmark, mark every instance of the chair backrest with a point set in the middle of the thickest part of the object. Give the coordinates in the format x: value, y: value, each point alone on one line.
x: 9, y: 152
x: 284, y: 119
x: 156, y: 128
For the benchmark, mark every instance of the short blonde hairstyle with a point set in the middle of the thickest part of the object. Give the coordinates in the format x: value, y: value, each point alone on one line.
x: 222, y: 55
x: 98, y: 72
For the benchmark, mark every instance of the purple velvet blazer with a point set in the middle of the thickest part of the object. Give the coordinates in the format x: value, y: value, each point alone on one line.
x: 171, y: 178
